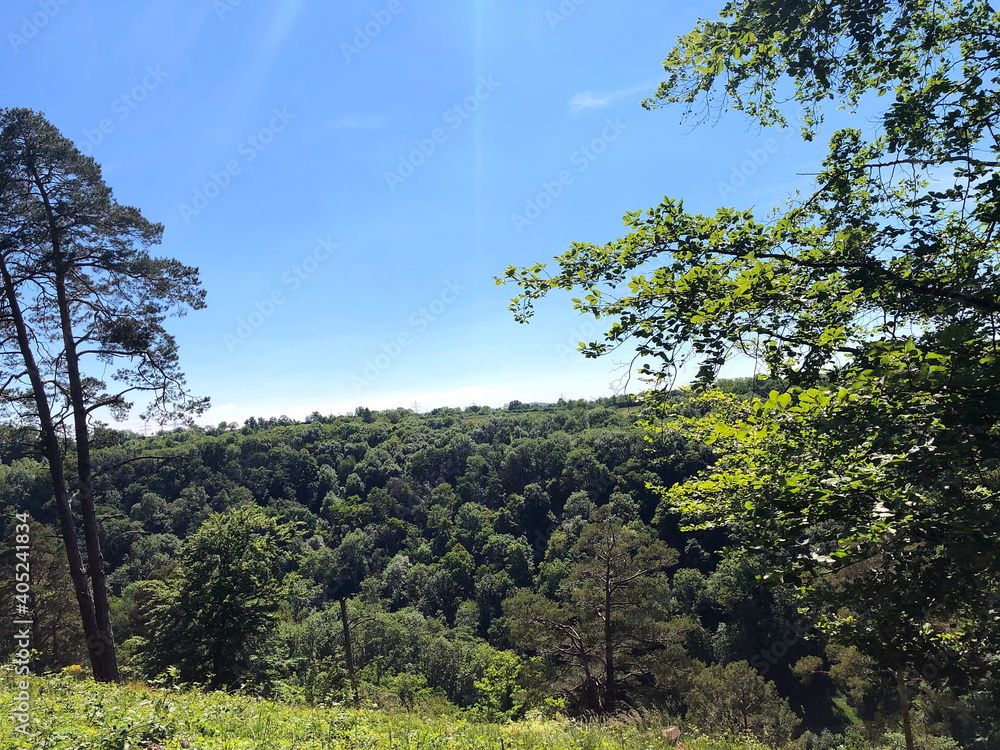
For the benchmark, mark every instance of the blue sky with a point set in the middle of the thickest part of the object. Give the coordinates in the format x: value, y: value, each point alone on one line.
x: 350, y: 177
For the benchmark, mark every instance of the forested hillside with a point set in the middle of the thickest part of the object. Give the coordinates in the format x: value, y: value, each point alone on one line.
x: 473, y: 550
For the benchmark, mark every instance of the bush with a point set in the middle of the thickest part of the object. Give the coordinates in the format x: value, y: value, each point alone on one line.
x: 896, y: 741
x: 734, y: 699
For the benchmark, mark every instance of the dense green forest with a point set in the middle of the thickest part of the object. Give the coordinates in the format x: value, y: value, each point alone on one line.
x: 807, y: 559
x: 467, y: 545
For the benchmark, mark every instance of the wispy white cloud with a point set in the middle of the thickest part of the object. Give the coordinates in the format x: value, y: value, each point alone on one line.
x: 359, y: 121
x: 588, y: 100
x: 585, y: 100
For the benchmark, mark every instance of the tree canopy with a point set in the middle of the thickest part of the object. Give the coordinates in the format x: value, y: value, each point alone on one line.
x: 80, y: 291
x: 611, y: 610
x: 872, y: 298
x: 211, y: 621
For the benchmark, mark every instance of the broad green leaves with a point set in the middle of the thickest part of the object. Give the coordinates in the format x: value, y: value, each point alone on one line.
x: 870, y: 479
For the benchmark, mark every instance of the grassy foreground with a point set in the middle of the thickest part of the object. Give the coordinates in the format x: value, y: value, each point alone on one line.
x: 82, y: 715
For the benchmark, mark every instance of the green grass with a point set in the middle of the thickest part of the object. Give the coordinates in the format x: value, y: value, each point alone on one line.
x: 844, y: 711
x: 83, y: 715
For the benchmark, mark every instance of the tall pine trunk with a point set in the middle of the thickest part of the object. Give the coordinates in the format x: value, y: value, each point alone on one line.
x: 54, y: 457
x: 103, y: 654
x: 107, y: 668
